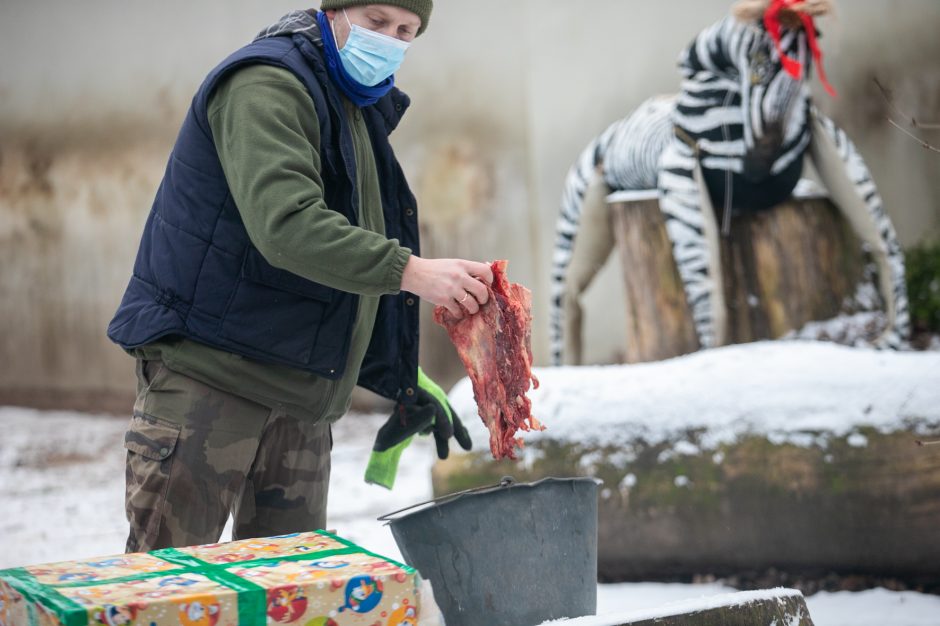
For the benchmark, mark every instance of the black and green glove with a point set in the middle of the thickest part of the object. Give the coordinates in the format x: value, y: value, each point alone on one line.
x: 431, y: 413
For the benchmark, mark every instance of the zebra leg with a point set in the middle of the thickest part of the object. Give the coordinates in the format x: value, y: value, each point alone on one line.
x: 589, y: 253
x: 844, y: 173
x: 627, y: 152
x: 567, y: 230
x: 693, y: 231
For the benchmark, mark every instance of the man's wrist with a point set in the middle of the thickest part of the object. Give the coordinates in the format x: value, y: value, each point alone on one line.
x: 396, y: 272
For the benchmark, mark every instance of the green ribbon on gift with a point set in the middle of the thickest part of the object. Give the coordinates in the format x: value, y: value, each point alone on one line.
x: 252, y: 598
x: 70, y: 612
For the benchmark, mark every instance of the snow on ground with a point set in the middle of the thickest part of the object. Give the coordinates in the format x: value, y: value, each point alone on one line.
x: 682, y: 607
x: 62, y: 482
x: 783, y: 388
x: 874, y: 607
x: 62, y: 474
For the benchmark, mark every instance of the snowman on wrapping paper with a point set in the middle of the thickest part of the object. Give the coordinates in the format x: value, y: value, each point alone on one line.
x: 363, y: 593
x: 199, y: 611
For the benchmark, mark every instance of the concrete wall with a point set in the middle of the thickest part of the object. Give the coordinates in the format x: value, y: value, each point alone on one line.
x: 505, y: 95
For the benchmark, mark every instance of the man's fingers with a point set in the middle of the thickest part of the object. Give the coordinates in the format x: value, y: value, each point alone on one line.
x: 483, y: 271
x: 461, y: 434
x: 469, y: 302
x: 443, y: 430
x: 477, y: 290
x: 454, y: 308
x: 442, y: 425
x: 402, y: 424
x: 441, y: 443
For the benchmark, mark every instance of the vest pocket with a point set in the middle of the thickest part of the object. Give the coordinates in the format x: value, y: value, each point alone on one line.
x: 275, y: 312
x: 258, y: 270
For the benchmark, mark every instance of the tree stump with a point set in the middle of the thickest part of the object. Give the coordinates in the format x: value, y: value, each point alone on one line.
x: 781, y: 268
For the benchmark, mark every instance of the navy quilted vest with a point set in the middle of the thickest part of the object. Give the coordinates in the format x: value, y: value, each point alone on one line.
x: 198, y: 275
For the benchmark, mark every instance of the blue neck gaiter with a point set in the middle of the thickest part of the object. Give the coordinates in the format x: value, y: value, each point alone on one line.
x: 359, y: 94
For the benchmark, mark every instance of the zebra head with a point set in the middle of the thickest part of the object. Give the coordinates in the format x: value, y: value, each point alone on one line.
x: 741, y: 101
x: 774, y: 104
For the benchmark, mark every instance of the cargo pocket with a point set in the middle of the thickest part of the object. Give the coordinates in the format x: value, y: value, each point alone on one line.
x: 150, y: 443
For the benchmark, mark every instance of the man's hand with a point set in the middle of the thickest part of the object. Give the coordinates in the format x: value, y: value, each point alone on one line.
x: 405, y: 421
x: 456, y: 284
x: 431, y: 413
x: 426, y: 416
x: 446, y: 421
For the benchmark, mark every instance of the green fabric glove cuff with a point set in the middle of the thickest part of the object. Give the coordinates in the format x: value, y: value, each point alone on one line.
x: 435, y: 390
x: 383, y: 466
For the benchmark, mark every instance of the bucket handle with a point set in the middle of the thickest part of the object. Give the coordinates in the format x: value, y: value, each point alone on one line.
x: 505, y: 481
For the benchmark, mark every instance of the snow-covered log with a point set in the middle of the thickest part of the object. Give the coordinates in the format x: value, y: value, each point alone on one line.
x: 792, y: 455
x: 772, y: 607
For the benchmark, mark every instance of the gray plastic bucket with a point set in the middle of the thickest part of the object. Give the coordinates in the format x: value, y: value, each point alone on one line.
x: 513, y: 554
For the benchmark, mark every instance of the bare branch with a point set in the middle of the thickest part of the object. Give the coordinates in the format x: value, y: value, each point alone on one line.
x: 889, y: 98
x: 927, y: 443
x: 922, y: 143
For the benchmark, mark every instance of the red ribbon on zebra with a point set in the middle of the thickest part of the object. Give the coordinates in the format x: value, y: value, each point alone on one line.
x: 793, y: 67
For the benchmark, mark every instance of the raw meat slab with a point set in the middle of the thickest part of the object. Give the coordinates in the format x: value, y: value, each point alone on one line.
x: 495, y: 346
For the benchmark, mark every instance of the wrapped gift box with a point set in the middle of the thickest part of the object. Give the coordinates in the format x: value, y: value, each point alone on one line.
x: 307, y: 579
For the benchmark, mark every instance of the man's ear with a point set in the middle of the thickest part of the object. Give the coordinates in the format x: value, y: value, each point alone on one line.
x: 330, y: 13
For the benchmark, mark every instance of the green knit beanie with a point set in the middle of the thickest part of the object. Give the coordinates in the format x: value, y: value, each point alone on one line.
x: 422, y: 8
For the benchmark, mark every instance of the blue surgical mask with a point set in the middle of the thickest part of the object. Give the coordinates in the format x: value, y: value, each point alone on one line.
x: 370, y: 57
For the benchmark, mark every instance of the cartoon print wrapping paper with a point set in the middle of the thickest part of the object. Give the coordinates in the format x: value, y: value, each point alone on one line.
x: 305, y: 579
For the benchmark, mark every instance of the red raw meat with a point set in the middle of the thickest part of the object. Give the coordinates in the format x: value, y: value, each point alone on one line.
x: 495, y: 346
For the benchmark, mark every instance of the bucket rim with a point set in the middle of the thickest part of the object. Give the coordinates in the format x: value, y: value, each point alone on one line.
x: 506, y: 483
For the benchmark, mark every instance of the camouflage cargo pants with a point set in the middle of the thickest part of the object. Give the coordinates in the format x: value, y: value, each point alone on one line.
x: 195, y: 454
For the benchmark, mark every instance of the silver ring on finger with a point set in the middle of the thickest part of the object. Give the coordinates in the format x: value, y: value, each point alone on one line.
x: 466, y: 295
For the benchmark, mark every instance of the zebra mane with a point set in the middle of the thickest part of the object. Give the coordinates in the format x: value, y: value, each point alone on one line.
x: 753, y: 10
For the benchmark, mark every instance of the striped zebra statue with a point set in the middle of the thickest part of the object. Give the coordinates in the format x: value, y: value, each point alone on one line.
x: 734, y: 139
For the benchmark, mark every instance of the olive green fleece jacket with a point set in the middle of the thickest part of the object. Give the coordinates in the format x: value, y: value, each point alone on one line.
x: 267, y: 135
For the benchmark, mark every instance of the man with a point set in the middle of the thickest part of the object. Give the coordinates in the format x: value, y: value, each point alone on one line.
x: 278, y: 268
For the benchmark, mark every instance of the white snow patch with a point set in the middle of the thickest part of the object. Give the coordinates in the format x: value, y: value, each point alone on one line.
x: 874, y: 607
x: 857, y: 440
x: 530, y: 456
x: 857, y: 329
x: 589, y: 461
x: 697, y: 605
x: 622, y: 457
x: 777, y: 438
x: 680, y: 448
x: 780, y: 388
x: 85, y: 485
x: 628, y: 481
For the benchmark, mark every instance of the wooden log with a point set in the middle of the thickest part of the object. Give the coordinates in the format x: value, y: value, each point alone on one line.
x: 659, y: 323
x: 781, y: 268
x: 863, y: 505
